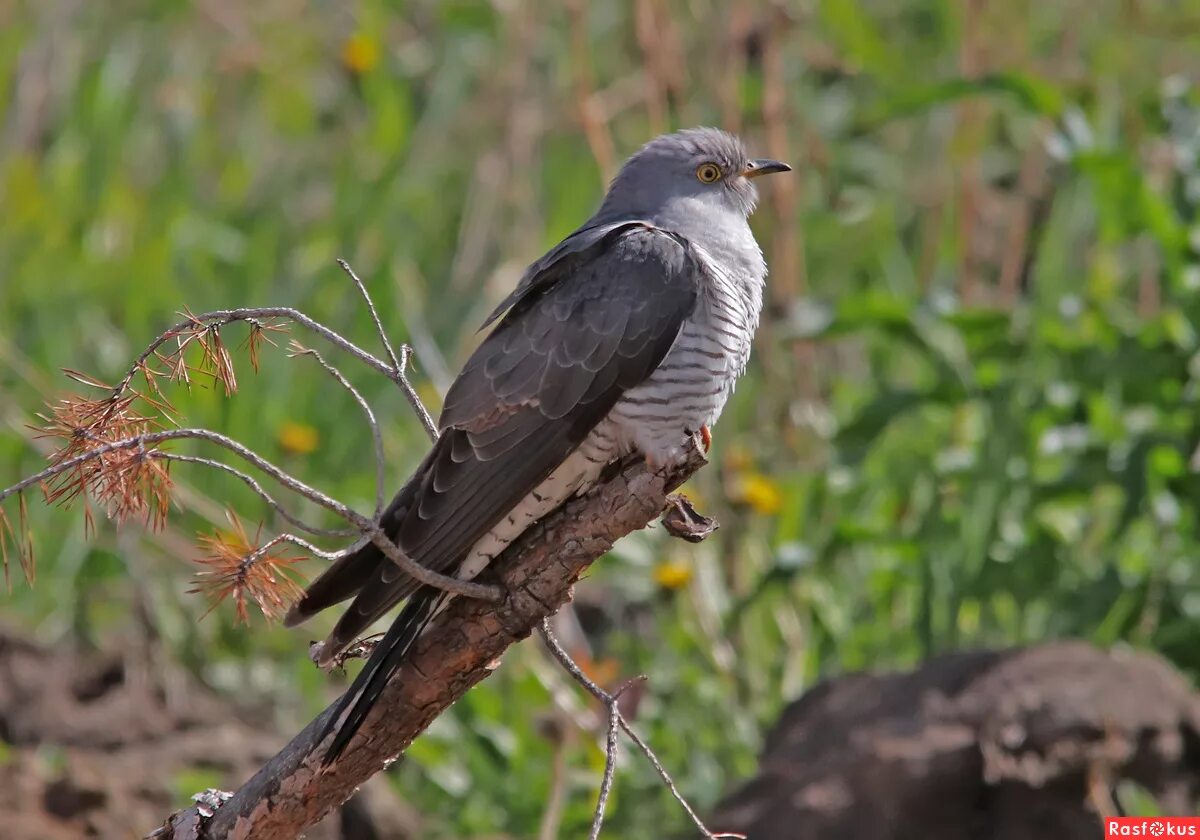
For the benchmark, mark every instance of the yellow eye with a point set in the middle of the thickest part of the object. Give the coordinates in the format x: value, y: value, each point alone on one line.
x: 708, y: 172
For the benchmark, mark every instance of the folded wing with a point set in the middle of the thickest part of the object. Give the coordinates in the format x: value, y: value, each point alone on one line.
x: 582, y: 330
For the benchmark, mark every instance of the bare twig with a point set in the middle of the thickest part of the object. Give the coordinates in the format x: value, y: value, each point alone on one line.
x: 479, y: 591
x: 365, y: 525
x: 299, y: 350
x: 617, y: 720
x: 300, y: 542
x: 410, y: 393
x: 366, y: 296
x: 258, y: 317
x: 399, y: 370
x: 254, y: 485
x: 610, y: 765
x: 151, y: 438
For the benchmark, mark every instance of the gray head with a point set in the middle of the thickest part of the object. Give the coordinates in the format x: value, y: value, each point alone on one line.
x: 694, y: 174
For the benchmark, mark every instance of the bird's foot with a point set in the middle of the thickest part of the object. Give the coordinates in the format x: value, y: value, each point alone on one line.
x: 663, y: 459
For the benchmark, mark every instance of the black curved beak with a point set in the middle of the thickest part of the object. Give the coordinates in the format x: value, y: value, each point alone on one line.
x: 764, y: 166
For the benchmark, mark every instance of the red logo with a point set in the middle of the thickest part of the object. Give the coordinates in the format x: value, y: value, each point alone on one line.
x: 1152, y: 827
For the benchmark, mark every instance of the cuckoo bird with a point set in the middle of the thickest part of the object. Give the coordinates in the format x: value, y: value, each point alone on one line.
x: 626, y: 337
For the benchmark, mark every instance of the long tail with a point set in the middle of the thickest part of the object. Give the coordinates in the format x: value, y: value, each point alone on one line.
x: 388, y: 657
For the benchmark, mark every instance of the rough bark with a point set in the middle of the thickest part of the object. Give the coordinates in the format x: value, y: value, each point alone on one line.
x: 1026, y: 744
x: 461, y: 648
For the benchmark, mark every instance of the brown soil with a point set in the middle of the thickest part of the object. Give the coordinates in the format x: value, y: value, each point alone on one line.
x: 96, y: 745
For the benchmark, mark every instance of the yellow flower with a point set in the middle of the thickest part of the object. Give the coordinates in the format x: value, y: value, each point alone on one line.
x: 360, y: 54
x: 759, y: 492
x: 673, y: 575
x: 298, y: 438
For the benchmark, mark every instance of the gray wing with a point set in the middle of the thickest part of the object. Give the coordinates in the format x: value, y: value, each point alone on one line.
x: 586, y: 329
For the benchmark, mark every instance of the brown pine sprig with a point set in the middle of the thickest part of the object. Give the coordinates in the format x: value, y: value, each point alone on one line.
x: 134, y: 483
x: 205, y: 332
x: 215, y: 359
x: 129, y: 483
x: 255, y: 339
x: 21, y: 539
x: 243, y: 568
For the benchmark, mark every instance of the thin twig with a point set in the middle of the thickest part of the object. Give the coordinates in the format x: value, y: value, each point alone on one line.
x: 666, y: 778
x: 396, y: 371
x: 610, y: 701
x: 399, y: 364
x: 410, y: 393
x: 380, y: 474
x: 253, y: 484
x: 149, y: 438
x: 362, y: 290
x: 368, y: 527
x: 610, y: 767
x: 481, y: 591
x: 300, y: 542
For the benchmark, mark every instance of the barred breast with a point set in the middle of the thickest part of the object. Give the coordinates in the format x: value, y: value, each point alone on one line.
x: 689, y: 389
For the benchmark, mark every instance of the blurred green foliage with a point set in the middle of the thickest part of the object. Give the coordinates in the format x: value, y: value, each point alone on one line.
x: 972, y: 416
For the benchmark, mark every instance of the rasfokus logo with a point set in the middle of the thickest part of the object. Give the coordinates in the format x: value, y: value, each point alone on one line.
x: 1152, y: 827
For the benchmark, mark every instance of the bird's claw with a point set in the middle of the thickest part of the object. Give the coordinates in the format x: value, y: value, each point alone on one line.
x: 677, y: 455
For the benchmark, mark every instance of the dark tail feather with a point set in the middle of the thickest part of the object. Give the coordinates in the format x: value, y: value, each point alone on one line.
x: 390, y: 654
x: 348, y: 576
x: 337, y: 583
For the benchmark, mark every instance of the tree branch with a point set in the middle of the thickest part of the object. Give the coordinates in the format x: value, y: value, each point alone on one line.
x: 460, y: 649
x: 616, y: 724
x: 400, y: 364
